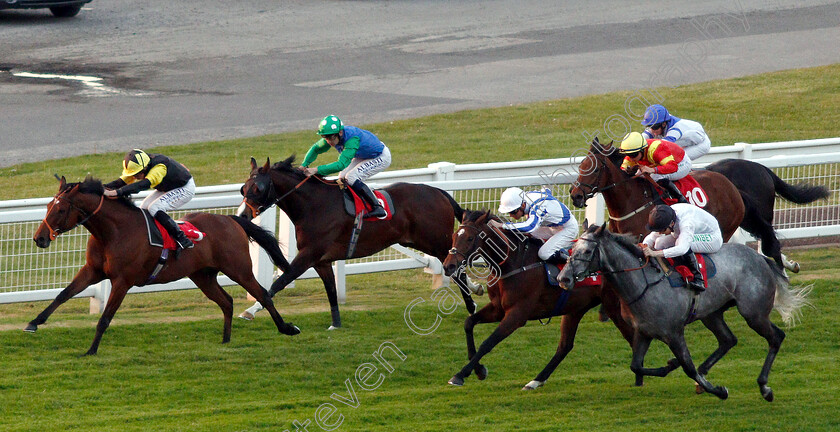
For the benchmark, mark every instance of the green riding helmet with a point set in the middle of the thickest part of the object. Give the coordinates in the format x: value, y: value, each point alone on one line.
x: 330, y: 125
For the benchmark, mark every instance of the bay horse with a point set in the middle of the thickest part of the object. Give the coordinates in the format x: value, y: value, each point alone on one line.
x: 630, y: 199
x: 759, y: 187
x: 519, y: 291
x: 744, y: 279
x: 423, y: 219
x: 118, y: 249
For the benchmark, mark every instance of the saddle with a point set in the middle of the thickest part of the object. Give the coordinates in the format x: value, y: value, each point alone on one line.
x: 159, y: 237
x: 682, y: 274
x: 354, y: 204
x: 691, y: 190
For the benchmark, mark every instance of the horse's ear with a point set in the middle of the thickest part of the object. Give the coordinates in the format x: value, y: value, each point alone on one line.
x: 595, y: 141
x: 267, y: 165
x: 253, y: 163
x: 62, y: 182
x: 585, y: 224
x: 601, y: 230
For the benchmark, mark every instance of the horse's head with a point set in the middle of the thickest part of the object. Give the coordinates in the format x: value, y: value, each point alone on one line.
x: 585, y: 259
x: 467, y: 240
x: 592, y: 172
x: 260, y: 192
x: 73, y: 205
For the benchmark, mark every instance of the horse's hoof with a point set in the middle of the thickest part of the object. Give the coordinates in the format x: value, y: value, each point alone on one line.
x: 481, y: 372
x: 795, y: 268
x: 767, y: 393
x: 724, y: 393
x: 290, y: 329
x: 456, y: 381
x: 602, y: 317
x: 31, y: 328
x: 332, y: 327
x: 533, y: 385
x: 699, y: 389
x: 247, y: 316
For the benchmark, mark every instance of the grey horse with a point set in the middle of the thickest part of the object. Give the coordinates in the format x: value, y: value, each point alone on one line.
x: 744, y: 279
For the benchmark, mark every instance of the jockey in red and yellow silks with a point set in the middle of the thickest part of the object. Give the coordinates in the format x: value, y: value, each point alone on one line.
x: 664, y: 160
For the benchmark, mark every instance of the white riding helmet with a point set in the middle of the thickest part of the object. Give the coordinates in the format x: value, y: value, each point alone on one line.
x: 512, y: 199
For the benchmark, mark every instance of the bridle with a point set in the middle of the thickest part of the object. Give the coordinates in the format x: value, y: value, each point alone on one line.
x: 54, y: 233
x: 454, y: 251
x: 269, y: 197
x: 593, y: 189
x: 590, y: 270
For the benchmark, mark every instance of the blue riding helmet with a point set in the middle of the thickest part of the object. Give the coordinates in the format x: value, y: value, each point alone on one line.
x: 655, y: 114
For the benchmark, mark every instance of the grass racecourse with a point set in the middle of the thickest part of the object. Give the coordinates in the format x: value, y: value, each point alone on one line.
x: 161, y: 366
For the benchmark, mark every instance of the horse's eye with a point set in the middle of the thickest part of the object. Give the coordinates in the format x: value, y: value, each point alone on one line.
x: 260, y: 187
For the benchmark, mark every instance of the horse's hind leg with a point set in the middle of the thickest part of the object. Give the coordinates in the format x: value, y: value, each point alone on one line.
x: 325, y: 271
x: 86, y: 276
x: 774, y: 336
x: 206, y: 281
x: 118, y: 292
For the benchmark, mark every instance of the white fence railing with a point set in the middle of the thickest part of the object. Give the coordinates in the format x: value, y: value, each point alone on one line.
x: 30, y: 274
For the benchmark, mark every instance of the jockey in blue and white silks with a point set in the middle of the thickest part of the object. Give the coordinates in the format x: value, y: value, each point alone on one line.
x: 688, y: 134
x: 548, y: 219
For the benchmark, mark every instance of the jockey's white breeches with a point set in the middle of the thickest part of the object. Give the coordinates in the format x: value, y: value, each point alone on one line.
x: 683, y: 168
x: 362, y: 169
x: 171, y: 200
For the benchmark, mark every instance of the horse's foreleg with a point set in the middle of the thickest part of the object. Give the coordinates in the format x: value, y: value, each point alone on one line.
x: 489, y: 313
x: 641, y: 343
x: 460, y: 279
x: 680, y: 350
x: 86, y: 276
x: 568, y: 330
x: 325, y: 271
x: 118, y: 292
x: 725, y: 338
x: 207, y: 283
x: 512, y: 321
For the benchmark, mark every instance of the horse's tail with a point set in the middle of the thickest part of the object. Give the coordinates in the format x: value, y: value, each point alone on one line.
x: 459, y: 212
x: 265, y: 239
x: 798, y: 193
x: 789, y: 301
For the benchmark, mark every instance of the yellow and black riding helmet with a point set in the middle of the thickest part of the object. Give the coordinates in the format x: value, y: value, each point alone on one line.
x: 632, y: 143
x: 135, y: 161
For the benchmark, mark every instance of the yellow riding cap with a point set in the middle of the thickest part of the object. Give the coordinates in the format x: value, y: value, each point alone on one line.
x: 633, y: 142
x: 135, y: 161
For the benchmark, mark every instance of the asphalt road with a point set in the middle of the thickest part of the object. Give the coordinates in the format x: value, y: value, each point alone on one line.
x: 185, y: 71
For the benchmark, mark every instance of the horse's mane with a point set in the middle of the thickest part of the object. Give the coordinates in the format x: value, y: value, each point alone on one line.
x: 626, y: 241
x: 94, y: 186
x: 475, y: 215
x: 288, y: 166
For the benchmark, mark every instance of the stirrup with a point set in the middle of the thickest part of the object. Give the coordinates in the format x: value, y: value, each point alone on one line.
x: 377, y: 212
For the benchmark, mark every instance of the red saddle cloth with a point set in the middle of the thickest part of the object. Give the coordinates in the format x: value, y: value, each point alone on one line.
x: 691, y: 190
x: 686, y: 273
x: 362, y: 206
x: 189, y: 229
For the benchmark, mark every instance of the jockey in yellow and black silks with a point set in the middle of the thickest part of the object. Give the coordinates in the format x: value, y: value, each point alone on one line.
x: 172, y: 183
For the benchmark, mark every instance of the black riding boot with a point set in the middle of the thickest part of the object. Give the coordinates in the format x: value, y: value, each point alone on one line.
x: 558, y: 257
x: 363, y: 191
x: 672, y: 190
x: 172, y: 228
x: 690, y: 261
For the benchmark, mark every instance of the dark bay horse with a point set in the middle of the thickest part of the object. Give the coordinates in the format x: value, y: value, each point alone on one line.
x: 519, y: 292
x: 744, y: 279
x: 118, y: 249
x: 759, y: 186
x: 423, y: 219
x: 629, y: 200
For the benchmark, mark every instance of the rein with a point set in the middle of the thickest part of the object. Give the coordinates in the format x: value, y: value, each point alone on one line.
x: 263, y: 207
x: 54, y: 233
